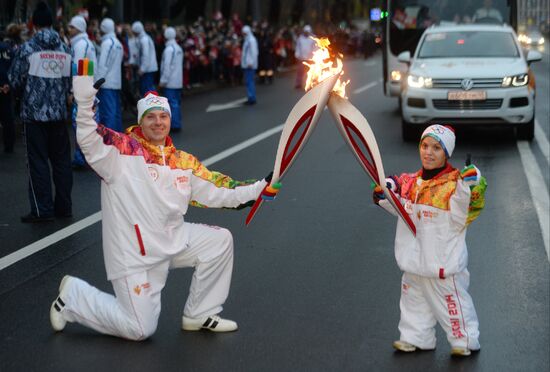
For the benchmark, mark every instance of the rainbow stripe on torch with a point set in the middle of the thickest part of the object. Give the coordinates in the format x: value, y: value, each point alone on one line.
x: 84, y: 67
x: 271, y: 191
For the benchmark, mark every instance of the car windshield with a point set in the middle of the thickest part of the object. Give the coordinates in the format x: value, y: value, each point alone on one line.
x: 476, y: 44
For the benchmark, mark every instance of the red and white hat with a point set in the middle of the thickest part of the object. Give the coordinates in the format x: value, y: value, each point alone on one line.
x: 444, y: 134
x: 152, y: 101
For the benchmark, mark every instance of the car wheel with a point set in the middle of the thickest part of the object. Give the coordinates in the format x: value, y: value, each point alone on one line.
x: 526, y: 131
x: 408, y: 131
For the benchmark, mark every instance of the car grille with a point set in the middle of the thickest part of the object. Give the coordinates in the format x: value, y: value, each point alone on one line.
x: 488, y: 104
x: 478, y: 83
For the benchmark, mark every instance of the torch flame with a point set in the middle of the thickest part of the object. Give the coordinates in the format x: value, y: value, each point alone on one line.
x: 322, y: 65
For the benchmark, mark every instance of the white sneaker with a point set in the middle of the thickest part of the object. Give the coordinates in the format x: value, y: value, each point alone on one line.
x: 56, y: 318
x: 403, y: 346
x: 460, y: 351
x: 212, y: 323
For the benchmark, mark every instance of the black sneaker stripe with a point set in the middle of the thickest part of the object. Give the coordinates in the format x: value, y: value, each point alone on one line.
x: 56, y: 307
x: 208, y: 321
x: 214, y: 324
x: 60, y: 301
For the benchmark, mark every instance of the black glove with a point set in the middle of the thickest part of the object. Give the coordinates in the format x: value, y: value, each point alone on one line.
x: 269, y: 177
x: 249, y: 203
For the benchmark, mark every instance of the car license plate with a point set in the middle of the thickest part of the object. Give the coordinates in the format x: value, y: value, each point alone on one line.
x: 474, y: 95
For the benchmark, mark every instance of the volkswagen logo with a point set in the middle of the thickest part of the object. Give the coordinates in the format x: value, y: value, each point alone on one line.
x: 467, y: 84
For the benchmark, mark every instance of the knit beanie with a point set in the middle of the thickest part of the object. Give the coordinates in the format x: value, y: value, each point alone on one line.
x: 42, y: 15
x: 152, y: 101
x: 137, y: 27
x: 79, y: 23
x: 107, y: 26
x: 170, y: 33
x: 445, y: 135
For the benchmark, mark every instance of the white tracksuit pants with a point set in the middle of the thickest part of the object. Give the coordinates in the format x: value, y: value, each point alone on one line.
x: 134, y: 310
x: 425, y: 301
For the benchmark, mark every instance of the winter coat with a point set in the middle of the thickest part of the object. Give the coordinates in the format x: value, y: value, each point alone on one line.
x: 441, y: 209
x: 41, y: 72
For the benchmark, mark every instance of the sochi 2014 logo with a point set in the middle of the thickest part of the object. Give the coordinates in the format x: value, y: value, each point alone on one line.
x: 155, y: 101
x: 53, y: 66
x: 438, y: 129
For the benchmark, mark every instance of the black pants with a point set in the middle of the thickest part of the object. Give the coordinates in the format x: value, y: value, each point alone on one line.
x: 49, y: 141
x: 6, y: 119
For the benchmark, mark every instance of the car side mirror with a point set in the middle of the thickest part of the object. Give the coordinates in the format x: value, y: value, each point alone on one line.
x: 405, y: 57
x: 533, y: 56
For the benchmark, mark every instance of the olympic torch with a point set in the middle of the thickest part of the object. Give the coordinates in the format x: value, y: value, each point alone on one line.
x: 322, y: 77
x: 299, y: 125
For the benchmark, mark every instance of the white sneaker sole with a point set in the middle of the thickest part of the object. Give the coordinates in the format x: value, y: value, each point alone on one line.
x: 230, y: 326
x: 57, y: 321
x: 404, y: 346
x: 460, y: 352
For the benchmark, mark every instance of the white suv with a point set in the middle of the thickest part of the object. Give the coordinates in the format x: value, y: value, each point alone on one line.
x: 468, y: 74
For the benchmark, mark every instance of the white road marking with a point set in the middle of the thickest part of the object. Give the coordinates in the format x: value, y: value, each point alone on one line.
x: 541, y: 139
x: 96, y: 217
x: 226, y: 106
x: 39, y: 245
x: 365, y: 87
x: 539, y: 192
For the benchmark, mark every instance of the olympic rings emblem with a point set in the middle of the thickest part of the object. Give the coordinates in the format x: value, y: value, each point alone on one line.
x: 438, y: 129
x: 155, y: 101
x: 53, y: 66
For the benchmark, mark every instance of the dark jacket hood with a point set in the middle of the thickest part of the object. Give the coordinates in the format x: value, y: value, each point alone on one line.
x: 47, y: 38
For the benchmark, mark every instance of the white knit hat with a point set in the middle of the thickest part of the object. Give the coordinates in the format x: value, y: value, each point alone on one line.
x: 170, y: 33
x: 107, y: 26
x: 152, y: 101
x: 445, y: 135
x: 79, y: 23
x: 137, y: 27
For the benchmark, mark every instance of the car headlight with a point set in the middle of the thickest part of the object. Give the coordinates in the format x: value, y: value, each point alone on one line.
x: 396, y: 75
x: 515, y: 81
x: 419, y: 81
x: 541, y: 41
x: 521, y: 38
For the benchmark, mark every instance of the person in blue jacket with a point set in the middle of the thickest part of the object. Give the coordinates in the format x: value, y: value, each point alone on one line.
x: 41, y: 74
x: 6, y: 109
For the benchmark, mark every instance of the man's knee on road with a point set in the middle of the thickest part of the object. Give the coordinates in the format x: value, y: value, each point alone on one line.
x: 139, y: 331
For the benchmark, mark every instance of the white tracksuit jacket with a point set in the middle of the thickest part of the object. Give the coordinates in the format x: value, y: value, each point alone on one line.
x: 305, y: 46
x: 147, y: 54
x: 82, y: 47
x: 171, y: 66
x: 110, y: 60
x: 249, y: 56
x: 434, y: 286
x: 441, y: 209
x: 145, y: 192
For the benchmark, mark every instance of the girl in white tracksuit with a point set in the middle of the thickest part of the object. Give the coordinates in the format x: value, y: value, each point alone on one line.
x: 442, y: 201
x: 145, y: 192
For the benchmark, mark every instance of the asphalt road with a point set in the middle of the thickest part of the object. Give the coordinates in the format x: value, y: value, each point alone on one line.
x: 315, y: 284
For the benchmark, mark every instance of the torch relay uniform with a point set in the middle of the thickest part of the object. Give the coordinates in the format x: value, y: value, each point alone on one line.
x: 171, y: 75
x: 435, y: 282
x: 81, y: 47
x: 145, y: 192
x: 249, y: 63
x: 109, y: 68
x: 147, y: 58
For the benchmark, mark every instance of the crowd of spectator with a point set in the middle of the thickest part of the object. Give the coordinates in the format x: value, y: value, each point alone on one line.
x: 212, y: 47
